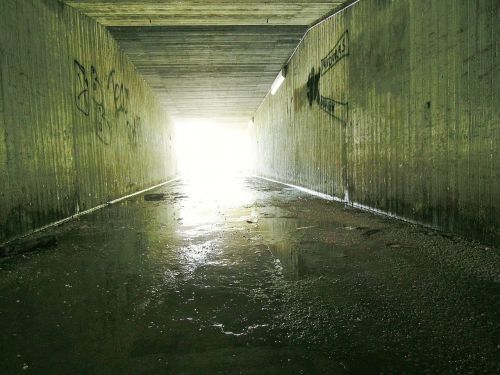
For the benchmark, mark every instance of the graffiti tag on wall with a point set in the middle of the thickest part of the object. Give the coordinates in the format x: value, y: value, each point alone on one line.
x: 120, y: 93
x: 335, y: 107
x: 338, y: 52
x: 81, y: 89
x: 91, y: 98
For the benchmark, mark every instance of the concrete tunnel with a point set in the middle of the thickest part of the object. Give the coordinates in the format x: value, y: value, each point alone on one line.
x: 249, y: 187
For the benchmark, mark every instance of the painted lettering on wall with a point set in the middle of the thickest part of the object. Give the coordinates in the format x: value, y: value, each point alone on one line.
x: 120, y: 93
x: 335, y: 107
x: 92, y: 98
x: 337, y: 53
x: 134, y: 127
x: 103, y: 127
x: 81, y: 85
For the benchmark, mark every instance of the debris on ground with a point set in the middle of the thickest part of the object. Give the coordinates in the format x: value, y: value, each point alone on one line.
x: 371, y: 232
x: 155, y: 197
x: 393, y: 245
x: 23, y: 246
x: 309, y: 227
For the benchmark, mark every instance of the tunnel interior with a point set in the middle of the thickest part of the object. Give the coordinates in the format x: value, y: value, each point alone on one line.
x: 265, y: 187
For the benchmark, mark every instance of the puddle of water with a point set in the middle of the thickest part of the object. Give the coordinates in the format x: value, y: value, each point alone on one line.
x: 187, y: 286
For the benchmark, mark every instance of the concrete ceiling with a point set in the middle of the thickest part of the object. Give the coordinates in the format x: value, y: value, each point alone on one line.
x: 211, y: 59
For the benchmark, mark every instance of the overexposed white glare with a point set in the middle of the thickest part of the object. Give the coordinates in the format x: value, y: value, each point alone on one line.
x: 212, y: 159
x: 206, y: 149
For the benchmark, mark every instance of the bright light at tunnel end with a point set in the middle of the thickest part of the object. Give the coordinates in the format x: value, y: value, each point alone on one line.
x: 207, y: 150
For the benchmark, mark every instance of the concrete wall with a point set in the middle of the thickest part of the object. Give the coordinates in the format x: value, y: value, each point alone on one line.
x: 78, y: 126
x: 394, y: 105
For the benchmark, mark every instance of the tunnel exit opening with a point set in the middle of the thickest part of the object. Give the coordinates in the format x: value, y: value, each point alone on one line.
x: 207, y: 150
x: 213, y: 160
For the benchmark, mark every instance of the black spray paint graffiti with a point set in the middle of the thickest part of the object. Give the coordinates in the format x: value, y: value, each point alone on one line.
x: 313, y: 87
x: 329, y: 105
x: 337, y: 53
x: 81, y: 88
x: 103, y: 127
x: 120, y: 94
x: 133, y: 129
x: 90, y: 99
x: 97, y: 91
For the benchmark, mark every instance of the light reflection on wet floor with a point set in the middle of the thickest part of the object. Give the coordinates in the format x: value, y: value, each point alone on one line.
x: 252, y: 278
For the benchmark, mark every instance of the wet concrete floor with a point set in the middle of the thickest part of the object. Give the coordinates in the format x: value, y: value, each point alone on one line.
x: 250, y: 278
